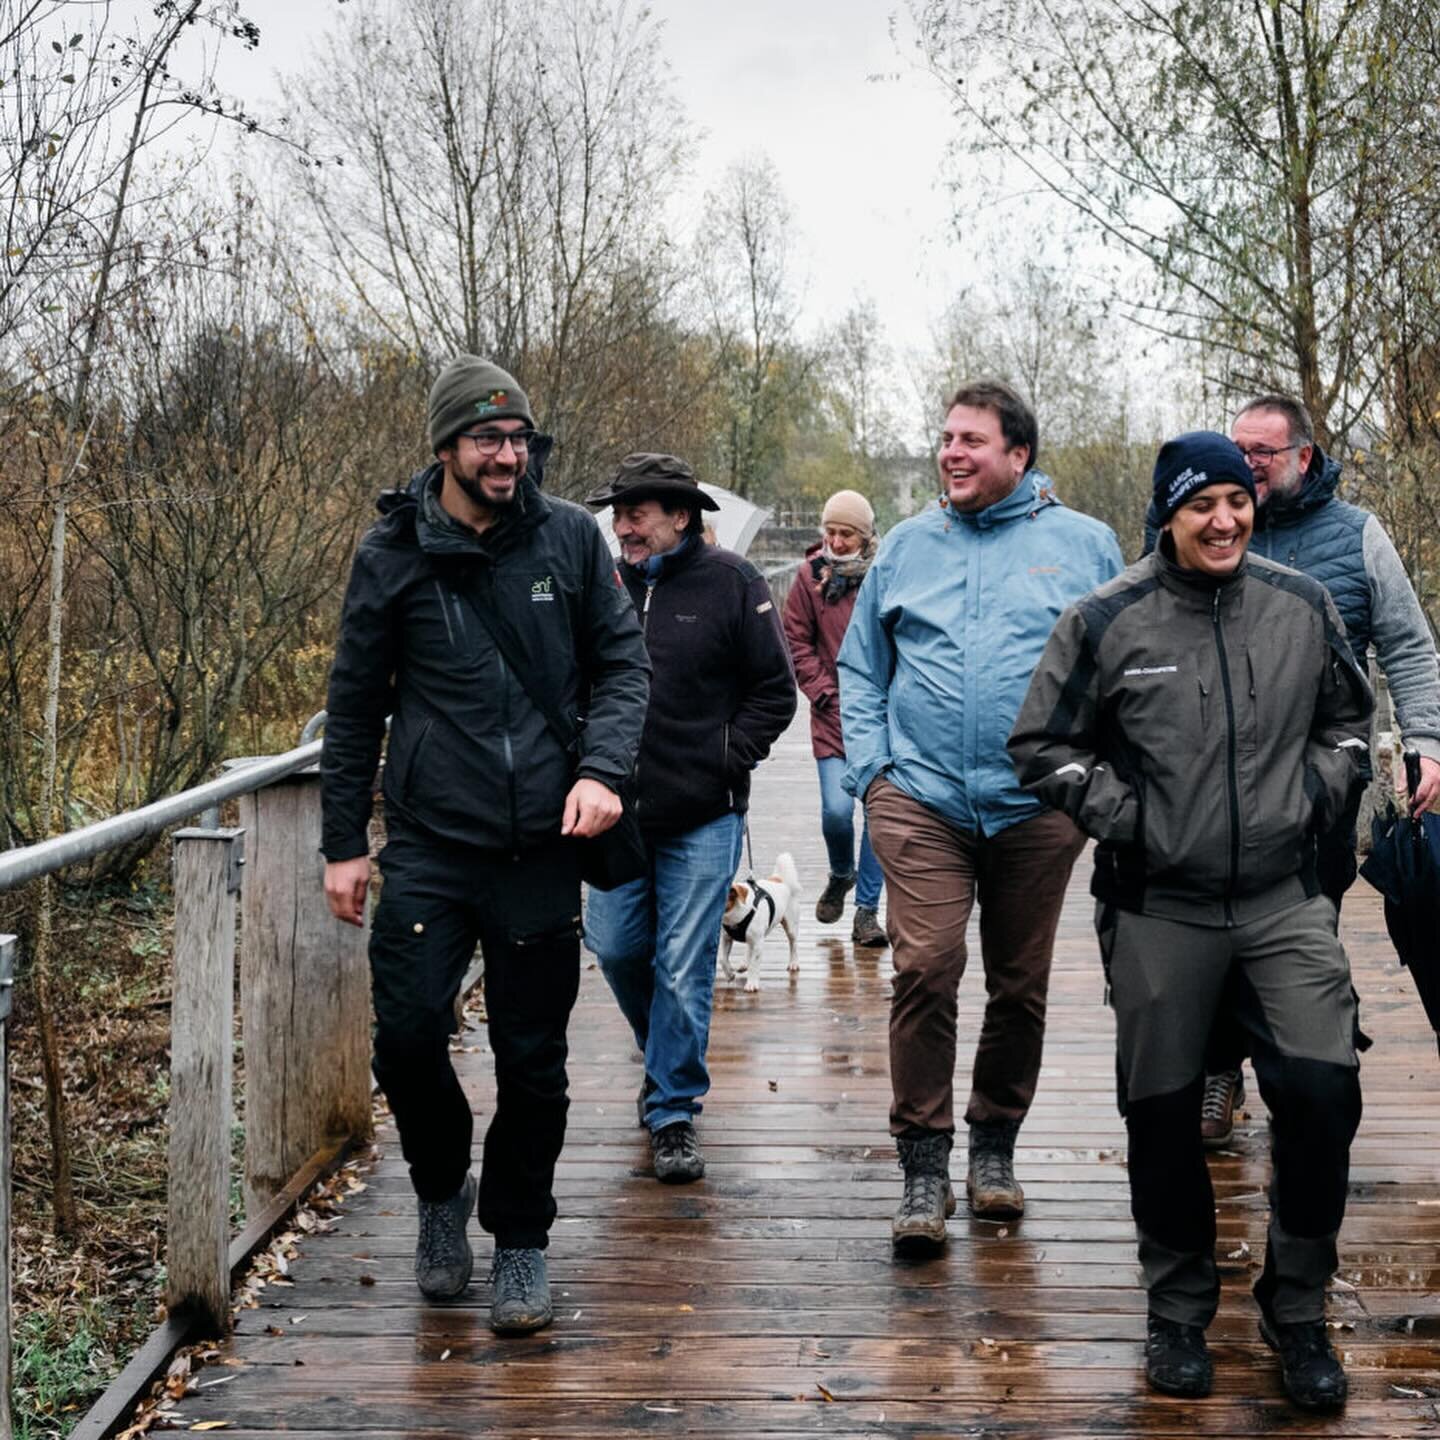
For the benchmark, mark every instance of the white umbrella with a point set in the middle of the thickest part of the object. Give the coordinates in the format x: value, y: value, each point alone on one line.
x: 736, y: 523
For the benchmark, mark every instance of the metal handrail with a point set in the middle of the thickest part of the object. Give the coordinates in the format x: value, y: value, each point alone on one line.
x: 18, y: 867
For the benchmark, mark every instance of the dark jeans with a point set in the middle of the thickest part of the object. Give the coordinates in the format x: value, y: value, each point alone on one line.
x: 935, y: 873
x: 437, y: 901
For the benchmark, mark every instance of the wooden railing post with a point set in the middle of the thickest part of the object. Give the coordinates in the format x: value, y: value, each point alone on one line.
x: 202, y: 1029
x: 8, y: 948
x: 304, y: 995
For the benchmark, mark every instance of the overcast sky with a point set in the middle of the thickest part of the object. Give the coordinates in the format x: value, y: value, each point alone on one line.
x: 856, y: 132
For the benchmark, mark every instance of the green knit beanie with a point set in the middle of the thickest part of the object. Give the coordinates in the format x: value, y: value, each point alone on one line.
x: 470, y: 391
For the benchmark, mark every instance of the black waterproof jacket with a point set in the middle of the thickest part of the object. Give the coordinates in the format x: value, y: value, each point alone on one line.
x: 471, y: 759
x: 722, y: 692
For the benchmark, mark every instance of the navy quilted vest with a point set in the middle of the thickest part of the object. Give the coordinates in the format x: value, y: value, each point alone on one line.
x: 1320, y: 535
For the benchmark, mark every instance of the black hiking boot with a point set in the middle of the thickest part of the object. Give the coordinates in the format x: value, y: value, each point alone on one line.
x: 919, y: 1224
x: 520, y: 1292
x: 677, y: 1154
x: 990, y: 1184
x: 1176, y: 1360
x: 442, y: 1253
x: 1309, y: 1367
x: 831, y: 904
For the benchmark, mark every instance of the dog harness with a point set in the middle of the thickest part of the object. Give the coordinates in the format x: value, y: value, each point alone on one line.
x: 737, y: 930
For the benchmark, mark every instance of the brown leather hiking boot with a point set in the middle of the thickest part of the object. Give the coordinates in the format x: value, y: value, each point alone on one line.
x: 831, y: 904
x: 991, y: 1186
x: 1224, y: 1095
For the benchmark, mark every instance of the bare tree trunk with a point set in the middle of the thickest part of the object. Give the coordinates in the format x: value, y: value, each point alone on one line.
x: 67, y: 1218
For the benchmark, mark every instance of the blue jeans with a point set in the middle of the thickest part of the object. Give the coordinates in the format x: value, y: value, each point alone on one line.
x: 837, y: 825
x: 656, y: 939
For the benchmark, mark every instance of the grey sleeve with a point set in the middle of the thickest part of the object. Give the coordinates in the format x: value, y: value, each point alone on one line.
x: 1404, y: 644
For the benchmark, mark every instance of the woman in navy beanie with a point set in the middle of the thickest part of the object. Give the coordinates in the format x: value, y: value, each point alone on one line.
x: 1201, y: 717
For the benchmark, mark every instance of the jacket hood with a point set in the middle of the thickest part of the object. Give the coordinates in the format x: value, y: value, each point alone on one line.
x: 1318, y: 486
x: 1034, y: 492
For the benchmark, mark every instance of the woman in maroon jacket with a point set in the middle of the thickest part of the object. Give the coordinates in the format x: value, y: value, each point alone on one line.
x: 817, y: 611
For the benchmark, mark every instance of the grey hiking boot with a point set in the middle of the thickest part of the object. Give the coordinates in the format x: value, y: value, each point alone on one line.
x: 991, y: 1186
x: 867, y: 929
x: 831, y: 904
x: 677, y: 1154
x: 919, y: 1223
x: 442, y: 1254
x: 520, y: 1292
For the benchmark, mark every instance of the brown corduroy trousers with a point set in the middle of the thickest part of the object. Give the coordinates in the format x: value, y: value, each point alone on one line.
x: 935, y: 873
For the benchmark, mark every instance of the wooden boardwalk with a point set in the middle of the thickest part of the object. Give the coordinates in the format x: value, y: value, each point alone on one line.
x: 765, y: 1300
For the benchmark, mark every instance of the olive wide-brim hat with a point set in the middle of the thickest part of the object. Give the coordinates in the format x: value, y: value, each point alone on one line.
x: 644, y: 476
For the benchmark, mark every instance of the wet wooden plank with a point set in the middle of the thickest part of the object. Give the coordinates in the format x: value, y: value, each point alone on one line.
x: 765, y: 1301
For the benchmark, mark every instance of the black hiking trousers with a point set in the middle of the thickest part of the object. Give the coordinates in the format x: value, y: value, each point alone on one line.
x: 437, y: 901
x: 1289, y: 979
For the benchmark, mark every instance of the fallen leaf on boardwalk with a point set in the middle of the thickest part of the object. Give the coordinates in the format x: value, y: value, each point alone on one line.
x: 273, y: 1330
x: 297, y: 1319
x: 664, y: 1409
x: 1243, y: 1253
x: 774, y: 1084
x: 445, y: 1354
x: 1407, y: 1392
x: 1001, y: 1233
x: 367, y: 1279
x: 211, y: 1425
x: 177, y: 1377
x: 687, y: 1309
x: 824, y: 1393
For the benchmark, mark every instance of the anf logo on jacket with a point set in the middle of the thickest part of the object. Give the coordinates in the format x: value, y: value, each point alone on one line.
x: 542, y: 590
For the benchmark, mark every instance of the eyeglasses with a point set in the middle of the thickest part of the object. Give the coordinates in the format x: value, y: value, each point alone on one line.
x: 492, y: 442
x: 1263, y: 454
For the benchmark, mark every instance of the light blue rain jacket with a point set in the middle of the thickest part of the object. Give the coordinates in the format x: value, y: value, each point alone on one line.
x: 948, y: 627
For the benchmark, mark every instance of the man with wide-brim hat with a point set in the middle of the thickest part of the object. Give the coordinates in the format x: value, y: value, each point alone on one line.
x: 722, y: 692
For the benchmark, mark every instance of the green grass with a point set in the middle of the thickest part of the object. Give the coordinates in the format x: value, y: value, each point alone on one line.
x: 60, y: 1366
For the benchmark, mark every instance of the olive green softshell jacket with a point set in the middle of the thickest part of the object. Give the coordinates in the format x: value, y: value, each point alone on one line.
x: 1204, y: 731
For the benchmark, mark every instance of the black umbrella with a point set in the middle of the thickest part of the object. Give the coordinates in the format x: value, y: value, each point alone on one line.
x: 1404, y: 866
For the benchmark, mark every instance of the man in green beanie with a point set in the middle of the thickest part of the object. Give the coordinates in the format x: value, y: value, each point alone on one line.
x: 478, y: 609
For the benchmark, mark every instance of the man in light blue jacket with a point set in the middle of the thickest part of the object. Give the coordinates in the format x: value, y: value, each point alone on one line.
x: 948, y: 626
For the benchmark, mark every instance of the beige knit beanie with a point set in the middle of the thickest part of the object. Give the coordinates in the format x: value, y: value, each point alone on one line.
x: 849, y: 507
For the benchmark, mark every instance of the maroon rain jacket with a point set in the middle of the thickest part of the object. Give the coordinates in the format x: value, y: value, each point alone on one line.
x: 814, y: 629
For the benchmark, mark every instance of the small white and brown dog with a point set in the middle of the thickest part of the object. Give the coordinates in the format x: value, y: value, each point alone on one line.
x: 753, y: 910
